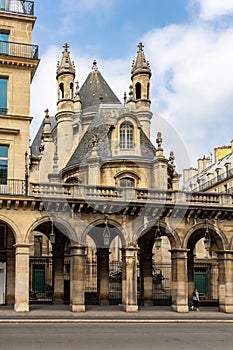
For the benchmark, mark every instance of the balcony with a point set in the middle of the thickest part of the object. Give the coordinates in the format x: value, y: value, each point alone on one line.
x: 103, y: 196
x: 8, y: 48
x: 13, y: 187
x: 17, y: 6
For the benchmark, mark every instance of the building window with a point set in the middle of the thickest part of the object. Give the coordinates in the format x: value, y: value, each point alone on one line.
x: 3, y: 164
x: 71, y: 90
x: 4, y: 43
x: 3, y: 95
x: 2, y: 4
x: 138, y: 91
x: 61, y: 90
x: 126, y: 135
x: 148, y: 91
x: 2, y: 236
x: 38, y: 245
x: 126, y: 182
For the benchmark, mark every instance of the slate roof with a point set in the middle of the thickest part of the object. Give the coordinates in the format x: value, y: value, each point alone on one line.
x: 95, y: 90
x: 37, y: 140
x: 101, y: 127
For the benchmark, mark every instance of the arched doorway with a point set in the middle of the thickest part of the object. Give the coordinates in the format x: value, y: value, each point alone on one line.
x: 203, y: 264
x: 7, y: 265
x: 49, y: 279
x: 41, y: 268
x: 103, y: 274
x: 154, y: 268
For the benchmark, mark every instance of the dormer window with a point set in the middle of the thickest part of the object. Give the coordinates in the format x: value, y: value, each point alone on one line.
x: 126, y: 135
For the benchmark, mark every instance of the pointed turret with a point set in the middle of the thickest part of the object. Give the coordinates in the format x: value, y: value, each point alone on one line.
x: 65, y: 104
x: 140, y: 76
x: 65, y: 65
x: 65, y: 78
x: 139, y: 94
x: 140, y: 66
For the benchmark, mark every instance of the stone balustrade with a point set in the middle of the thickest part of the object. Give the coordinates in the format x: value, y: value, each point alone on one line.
x: 76, y: 191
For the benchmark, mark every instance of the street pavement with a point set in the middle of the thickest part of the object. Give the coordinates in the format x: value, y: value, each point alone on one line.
x: 57, y: 313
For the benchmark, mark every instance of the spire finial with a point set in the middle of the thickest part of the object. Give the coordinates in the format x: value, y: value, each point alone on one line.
x: 46, y: 112
x: 66, y: 47
x: 94, y: 67
x: 140, y: 46
x: 65, y: 65
x: 159, y: 140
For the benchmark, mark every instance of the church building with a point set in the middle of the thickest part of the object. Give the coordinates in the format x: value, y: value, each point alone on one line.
x: 91, y: 212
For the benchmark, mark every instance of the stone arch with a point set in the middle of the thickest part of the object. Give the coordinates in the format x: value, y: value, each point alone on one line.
x: 165, y: 230
x: 128, y: 117
x: 13, y: 227
x: 191, y: 238
x: 120, y: 230
x: 127, y: 173
x: 59, y: 223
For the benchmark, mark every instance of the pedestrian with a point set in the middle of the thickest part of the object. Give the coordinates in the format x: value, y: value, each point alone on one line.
x: 196, y: 299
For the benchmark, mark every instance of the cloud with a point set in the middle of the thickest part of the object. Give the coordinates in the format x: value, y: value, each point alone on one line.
x: 211, y: 9
x: 191, y: 87
x: 192, y: 84
x: 44, y: 86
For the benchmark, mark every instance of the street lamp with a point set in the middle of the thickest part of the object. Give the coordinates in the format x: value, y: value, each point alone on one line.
x: 52, y: 235
x: 207, y: 240
x: 106, y: 233
x: 157, y: 237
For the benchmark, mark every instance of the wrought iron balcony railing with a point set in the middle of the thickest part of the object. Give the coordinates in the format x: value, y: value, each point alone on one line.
x: 18, y: 49
x: 17, y: 6
x: 13, y: 187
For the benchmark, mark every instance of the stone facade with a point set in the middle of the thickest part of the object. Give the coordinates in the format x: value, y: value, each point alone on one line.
x: 93, y: 213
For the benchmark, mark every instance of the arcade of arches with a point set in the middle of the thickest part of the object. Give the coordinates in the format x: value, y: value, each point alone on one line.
x: 113, y: 259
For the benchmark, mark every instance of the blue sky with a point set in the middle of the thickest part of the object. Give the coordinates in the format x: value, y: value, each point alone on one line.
x: 189, y: 44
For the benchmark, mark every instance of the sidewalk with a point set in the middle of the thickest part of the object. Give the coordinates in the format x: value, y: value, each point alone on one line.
x: 110, y: 314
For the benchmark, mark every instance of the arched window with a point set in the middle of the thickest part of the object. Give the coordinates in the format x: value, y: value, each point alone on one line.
x: 148, y: 91
x: 61, y: 86
x: 71, y: 90
x: 126, y: 135
x: 126, y: 182
x: 138, y: 91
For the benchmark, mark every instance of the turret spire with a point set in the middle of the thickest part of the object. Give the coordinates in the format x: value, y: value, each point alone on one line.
x: 140, y: 65
x: 65, y: 66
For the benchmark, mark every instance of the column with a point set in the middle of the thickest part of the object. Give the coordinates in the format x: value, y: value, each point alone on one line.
x: 190, y: 267
x: 225, y: 287
x: 77, y: 277
x: 129, y: 279
x: 21, y: 277
x: 179, y: 280
x: 58, y: 273
x: 148, y: 281
x: 103, y: 276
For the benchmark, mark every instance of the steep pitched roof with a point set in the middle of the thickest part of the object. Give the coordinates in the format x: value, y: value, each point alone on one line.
x: 95, y: 90
x: 35, y: 146
x: 101, y: 127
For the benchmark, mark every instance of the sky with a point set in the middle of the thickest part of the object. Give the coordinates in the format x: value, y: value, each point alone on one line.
x: 189, y: 44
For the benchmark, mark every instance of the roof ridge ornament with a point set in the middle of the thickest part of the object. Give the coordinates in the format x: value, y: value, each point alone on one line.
x: 140, y: 46
x: 94, y: 66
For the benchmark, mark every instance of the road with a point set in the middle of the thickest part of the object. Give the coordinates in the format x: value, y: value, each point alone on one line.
x: 116, y: 336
